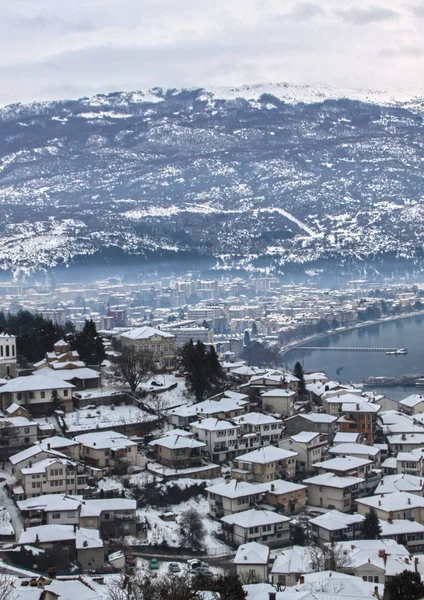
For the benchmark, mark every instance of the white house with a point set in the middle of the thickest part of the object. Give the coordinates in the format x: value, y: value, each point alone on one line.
x: 220, y: 437
x: 251, y: 562
x: 279, y: 401
x: 34, y: 392
x: 256, y: 525
x: 234, y: 496
x: 412, y: 405
x: 265, y: 464
x: 310, y: 447
x: 162, y: 344
x: 332, y: 491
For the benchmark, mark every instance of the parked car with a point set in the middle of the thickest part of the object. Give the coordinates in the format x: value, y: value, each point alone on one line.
x: 154, y: 565
x: 174, y: 568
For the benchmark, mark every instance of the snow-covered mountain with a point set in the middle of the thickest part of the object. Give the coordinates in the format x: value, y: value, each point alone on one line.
x: 274, y: 176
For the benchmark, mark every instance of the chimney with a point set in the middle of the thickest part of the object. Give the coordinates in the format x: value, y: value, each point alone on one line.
x: 382, y: 554
x: 272, y: 595
x: 75, y: 528
x: 302, y: 579
x: 85, y: 543
x: 272, y: 487
x: 48, y: 446
x: 357, y: 407
x: 352, y: 547
x: 409, y: 500
x: 416, y: 561
x: 406, y: 561
x: 379, y: 503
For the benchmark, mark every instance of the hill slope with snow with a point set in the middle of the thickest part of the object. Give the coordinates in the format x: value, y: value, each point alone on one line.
x: 274, y: 176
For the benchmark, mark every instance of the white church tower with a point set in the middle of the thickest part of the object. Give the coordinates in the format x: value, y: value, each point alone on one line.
x: 7, y: 355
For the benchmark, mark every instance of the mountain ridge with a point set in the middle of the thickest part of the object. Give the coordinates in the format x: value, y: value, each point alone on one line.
x: 252, y: 183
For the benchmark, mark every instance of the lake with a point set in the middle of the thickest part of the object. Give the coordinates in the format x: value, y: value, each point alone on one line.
x: 357, y: 366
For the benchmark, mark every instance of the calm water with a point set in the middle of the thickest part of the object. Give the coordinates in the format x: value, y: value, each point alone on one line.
x: 356, y: 366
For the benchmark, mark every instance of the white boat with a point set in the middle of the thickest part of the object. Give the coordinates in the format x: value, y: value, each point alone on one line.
x: 400, y: 352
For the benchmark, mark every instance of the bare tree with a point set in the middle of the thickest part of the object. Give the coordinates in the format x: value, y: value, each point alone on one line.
x: 333, y: 558
x: 159, y: 402
x: 135, y: 365
x: 7, y: 589
x: 192, y: 529
x: 144, y: 587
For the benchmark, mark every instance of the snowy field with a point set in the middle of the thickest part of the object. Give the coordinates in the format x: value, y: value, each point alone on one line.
x: 105, y: 417
x: 171, y: 397
x: 160, y: 531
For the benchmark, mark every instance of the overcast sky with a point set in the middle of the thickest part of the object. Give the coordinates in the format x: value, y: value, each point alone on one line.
x: 54, y: 49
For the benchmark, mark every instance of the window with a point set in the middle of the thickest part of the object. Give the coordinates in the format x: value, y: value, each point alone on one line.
x: 19, y: 397
x: 42, y: 394
x: 31, y: 395
x: 7, y: 351
x: 65, y: 392
x: 107, y: 516
x: 56, y: 516
x: 26, y: 430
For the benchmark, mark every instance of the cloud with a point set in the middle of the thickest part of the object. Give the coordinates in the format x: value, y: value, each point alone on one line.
x: 305, y: 11
x: 403, y: 51
x: 54, y: 49
x: 370, y: 14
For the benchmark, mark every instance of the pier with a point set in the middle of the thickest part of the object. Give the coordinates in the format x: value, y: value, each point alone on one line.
x: 347, y: 349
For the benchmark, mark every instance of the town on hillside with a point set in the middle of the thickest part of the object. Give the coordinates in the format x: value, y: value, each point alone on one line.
x: 138, y: 449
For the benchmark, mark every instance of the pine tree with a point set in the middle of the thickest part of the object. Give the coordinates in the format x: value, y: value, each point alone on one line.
x: 246, y: 341
x: 298, y: 536
x: 405, y: 586
x: 298, y: 372
x: 254, y: 329
x: 371, y: 528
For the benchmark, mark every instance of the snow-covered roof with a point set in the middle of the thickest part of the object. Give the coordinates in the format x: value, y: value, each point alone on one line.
x: 184, y: 411
x: 255, y: 517
x: 400, y: 483
x: 411, y: 401
x: 105, y: 440
x: 42, y: 465
x: 18, y: 422
x: 255, y: 418
x: 252, y: 553
x: 266, y: 455
x: 68, y: 374
x: 213, y: 407
x: 353, y: 448
x: 335, y: 520
x: 360, y: 407
x: 278, y: 394
x: 335, y: 585
x: 13, y: 408
x: 57, y: 441
x: 94, y: 508
x: 400, y: 527
x: 317, y: 418
x: 175, y: 442
x: 343, y: 463
x: 212, y: 424
x: 84, y: 538
x: 331, y: 480
x: 32, y: 383
x: 294, y: 560
x: 342, y: 437
x: 281, y: 486
x: 144, y: 333
x: 393, y: 502
x: 51, y: 502
x: 32, y: 451
x: 237, y: 489
x: 304, y: 437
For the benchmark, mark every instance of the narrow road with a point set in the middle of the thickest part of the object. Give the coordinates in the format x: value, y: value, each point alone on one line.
x: 13, y: 511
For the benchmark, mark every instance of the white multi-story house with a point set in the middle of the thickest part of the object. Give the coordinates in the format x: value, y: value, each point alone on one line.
x: 253, y: 525
x: 162, y: 344
x: 359, y: 451
x: 234, y: 496
x: 309, y: 446
x: 54, y: 476
x: 221, y: 437
x: 265, y: 464
x: 35, y: 392
x: 106, y: 449
x: 279, y: 401
x: 17, y: 432
x: 257, y: 430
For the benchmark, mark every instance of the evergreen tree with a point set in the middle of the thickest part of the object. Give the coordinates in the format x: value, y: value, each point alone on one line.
x: 246, y: 341
x: 298, y: 536
x: 229, y: 587
x: 202, y: 369
x: 405, y: 586
x: 298, y: 372
x: 88, y: 344
x: 254, y: 330
x: 371, y: 528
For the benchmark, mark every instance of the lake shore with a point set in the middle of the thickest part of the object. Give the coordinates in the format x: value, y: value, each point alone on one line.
x: 320, y: 336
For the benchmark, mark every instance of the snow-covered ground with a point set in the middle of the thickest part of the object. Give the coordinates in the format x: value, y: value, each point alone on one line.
x: 105, y: 417
x: 160, y: 531
x: 171, y: 397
